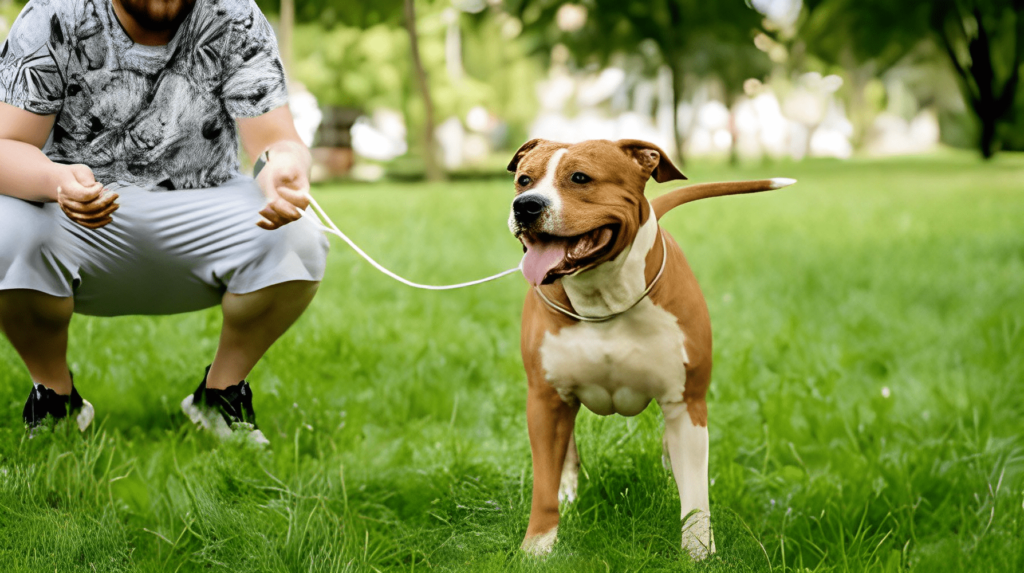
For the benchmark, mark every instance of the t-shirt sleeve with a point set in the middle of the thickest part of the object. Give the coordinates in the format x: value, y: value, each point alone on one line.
x: 255, y: 80
x: 33, y: 59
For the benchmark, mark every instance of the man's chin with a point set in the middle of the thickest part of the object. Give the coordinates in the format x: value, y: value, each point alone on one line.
x: 158, y: 16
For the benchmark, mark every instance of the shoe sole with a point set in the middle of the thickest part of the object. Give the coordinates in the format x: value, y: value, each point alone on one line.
x: 212, y: 422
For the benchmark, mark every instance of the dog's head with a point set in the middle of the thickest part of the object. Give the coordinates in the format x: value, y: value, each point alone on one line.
x: 580, y: 205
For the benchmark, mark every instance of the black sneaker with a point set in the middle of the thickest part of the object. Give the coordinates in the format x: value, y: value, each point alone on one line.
x: 224, y: 411
x: 43, y: 403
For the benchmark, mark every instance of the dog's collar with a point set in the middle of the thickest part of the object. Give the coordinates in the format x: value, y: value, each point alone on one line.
x: 554, y: 305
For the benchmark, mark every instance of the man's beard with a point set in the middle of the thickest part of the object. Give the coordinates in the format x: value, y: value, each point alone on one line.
x: 158, y: 15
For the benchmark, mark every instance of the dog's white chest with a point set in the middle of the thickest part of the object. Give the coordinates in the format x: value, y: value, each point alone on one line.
x: 619, y: 366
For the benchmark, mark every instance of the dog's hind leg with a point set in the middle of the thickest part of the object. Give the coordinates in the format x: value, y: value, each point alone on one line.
x: 687, y: 445
x: 570, y: 473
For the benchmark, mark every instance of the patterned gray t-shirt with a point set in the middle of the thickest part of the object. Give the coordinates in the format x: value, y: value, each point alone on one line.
x: 149, y: 116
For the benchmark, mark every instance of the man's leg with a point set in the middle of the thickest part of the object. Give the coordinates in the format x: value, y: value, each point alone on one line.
x: 37, y: 326
x: 253, y: 322
x: 36, y: 276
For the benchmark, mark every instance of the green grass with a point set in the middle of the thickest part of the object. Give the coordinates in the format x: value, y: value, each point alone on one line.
x: 397, y: 416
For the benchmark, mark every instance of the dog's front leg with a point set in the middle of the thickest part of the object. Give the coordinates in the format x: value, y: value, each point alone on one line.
x: 686, y: 442
x: 550, y: 422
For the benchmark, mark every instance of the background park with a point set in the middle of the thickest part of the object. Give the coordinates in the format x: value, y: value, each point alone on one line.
x: 866, y: 411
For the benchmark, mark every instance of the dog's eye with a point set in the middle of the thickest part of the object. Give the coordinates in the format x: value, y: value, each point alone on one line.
x: 581, y: 178
x: 525, y: 180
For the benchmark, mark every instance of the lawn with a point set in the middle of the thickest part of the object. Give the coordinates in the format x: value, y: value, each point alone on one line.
x: 866, y: 410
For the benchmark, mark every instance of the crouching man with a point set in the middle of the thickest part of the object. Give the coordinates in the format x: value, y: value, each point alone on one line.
x: 120, y: 190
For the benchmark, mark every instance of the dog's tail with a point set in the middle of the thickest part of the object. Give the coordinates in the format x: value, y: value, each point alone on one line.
x: 665, y: 203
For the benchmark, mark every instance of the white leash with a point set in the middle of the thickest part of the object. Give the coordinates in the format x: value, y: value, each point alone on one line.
x: 333, y: 229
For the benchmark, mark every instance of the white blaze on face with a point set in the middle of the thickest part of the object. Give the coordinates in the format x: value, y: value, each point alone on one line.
x: 542, y: 256
x: 551, y: 218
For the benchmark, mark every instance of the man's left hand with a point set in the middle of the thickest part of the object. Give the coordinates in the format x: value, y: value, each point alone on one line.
x: 285, y: 184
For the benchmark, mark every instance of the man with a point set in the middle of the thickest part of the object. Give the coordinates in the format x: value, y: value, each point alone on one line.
x: 120, y: 190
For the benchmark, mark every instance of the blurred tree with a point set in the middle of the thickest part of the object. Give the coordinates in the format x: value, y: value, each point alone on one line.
x: 365, y: 15
x: 430, y: 160
x: 983, y: 41
x: 694, y: 38
x: 329, y: 13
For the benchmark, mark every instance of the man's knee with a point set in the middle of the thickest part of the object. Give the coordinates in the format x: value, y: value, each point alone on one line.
x: 24, y: 226
x: 295, y: 252
x: 308, y: 241
x: 28, y: 308
x: 34, y: 253
x: 300, y: 245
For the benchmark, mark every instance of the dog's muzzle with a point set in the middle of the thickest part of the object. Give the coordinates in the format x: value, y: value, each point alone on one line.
x: 527, y: 208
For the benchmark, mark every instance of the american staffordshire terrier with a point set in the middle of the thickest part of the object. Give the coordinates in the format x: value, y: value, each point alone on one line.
x: 615, y: 318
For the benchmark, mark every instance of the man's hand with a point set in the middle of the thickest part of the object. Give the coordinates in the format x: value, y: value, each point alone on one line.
x: 82, y: 198
x: 285, y: 183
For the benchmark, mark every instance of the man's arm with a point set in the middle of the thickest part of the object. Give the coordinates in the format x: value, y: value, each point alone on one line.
x: 30, y: 175
x: 285, y: 177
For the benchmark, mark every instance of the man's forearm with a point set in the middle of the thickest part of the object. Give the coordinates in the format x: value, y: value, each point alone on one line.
x: 27, y: 173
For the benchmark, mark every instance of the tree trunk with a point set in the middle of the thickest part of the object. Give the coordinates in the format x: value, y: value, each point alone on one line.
x: 433, y: 170
x: 988, y: 141
x: 677, y: 98
x: 991, y: 105
x: 286, y: 33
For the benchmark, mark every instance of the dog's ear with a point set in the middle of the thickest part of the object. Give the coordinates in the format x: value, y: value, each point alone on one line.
x: 651, y: 159
x: 526, y: 148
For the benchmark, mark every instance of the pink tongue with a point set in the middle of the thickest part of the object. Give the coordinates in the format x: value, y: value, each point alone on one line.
x: 540, y: 258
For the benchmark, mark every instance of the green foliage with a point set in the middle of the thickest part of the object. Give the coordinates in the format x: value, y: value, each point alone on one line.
x: 982, y: 40
x: 8, y: 12
x: 844, y: 31
x: 345, y: 66
x: 397, y: 416
x: 341, y: 12
x: 367, y: 68
x: 693, y: 37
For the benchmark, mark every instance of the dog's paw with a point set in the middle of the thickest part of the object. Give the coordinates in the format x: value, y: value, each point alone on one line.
x: 698, y: 539
x: 540, y: 545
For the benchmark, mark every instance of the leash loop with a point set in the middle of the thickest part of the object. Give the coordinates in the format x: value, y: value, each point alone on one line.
x: 333, y: 229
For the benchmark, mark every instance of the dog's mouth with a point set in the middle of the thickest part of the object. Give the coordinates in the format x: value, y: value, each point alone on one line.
x: 549, y: 257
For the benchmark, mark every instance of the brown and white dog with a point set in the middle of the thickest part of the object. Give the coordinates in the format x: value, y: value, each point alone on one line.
x: 615, y: 318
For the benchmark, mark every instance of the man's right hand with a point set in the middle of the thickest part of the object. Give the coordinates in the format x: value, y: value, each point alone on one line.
x: 82, y: 198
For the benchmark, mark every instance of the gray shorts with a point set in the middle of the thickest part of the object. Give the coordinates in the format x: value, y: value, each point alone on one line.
x: 165, y: 252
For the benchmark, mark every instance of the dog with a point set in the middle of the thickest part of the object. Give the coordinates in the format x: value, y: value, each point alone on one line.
x: 615, y: 317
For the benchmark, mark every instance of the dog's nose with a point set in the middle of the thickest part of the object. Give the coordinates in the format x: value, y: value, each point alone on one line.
x: 528, y: 207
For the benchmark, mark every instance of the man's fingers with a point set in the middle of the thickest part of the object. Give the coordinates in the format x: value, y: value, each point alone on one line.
x: 91, y: 223
x: 81, y: 193
x: 299, y: 198
x: 92, y: 207
x: 96, y: 224
x: 285, y: 210
x: 272, y: 217
x: 89, y: 218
